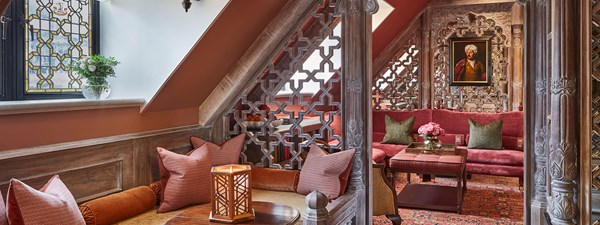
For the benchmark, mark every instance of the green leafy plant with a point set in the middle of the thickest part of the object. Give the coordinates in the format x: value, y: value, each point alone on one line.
x: 95, y: 68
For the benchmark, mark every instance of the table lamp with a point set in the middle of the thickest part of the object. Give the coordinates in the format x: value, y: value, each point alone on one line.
x: 232, y: 194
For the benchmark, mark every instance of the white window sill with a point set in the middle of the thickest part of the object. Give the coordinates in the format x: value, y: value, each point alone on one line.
x: 57, y: 105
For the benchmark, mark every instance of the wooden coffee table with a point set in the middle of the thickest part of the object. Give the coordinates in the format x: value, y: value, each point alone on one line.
x: 264, y: 212
x: 428, y: 196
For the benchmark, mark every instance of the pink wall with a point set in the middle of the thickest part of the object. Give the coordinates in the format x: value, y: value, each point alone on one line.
x: 404, y: 12
x: 28, y: 130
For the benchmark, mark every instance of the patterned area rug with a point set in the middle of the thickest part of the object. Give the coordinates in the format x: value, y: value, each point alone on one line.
x: 489, y: 200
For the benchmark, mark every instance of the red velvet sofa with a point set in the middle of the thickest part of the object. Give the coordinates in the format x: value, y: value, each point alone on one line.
x: 508, y: 161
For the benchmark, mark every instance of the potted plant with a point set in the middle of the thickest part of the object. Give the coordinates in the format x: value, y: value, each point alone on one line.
x: 95, y: 69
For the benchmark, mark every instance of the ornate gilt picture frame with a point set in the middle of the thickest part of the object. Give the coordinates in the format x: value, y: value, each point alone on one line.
x: 470, y: 61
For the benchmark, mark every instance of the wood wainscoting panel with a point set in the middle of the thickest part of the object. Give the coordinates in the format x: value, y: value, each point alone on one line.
x: 97, y: 167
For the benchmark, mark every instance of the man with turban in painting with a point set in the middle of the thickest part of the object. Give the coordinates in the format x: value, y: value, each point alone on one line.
x: 470, y: 69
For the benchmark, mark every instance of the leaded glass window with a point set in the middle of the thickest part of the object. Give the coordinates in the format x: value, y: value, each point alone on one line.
x: 48, y: 36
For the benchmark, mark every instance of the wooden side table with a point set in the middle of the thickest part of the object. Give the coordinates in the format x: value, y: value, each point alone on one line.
x: 264, y: 212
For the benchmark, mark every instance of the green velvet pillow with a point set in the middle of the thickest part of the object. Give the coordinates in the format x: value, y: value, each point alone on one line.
x: 485, y: 136
x: 398, y: 132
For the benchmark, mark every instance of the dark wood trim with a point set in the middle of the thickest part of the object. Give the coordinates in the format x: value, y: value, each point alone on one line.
x: 585, y: 90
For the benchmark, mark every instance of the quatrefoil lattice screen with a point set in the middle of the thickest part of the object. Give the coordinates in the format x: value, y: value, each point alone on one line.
x: 295, y: 101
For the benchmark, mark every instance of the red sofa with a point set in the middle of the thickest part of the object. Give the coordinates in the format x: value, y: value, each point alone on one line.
x: 506, y: 162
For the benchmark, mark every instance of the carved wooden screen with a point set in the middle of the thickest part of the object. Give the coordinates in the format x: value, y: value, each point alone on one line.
x: 301, y: 88
x: 396, y: 87
x: 493, y: 21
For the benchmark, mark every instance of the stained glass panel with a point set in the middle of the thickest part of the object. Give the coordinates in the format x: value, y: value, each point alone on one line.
x: 59, y: 32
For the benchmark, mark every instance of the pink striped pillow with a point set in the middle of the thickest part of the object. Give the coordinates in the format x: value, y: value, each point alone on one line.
x: 3, y: 219
x: 227, y: 153
x: 52, y: 204
x: 186, y: 183
x: 326, y: 173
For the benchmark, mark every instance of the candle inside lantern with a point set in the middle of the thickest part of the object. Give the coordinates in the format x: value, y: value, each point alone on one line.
x: 232, y: 195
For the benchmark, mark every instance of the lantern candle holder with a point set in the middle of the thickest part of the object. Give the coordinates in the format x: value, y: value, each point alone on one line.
x: 232, y: 194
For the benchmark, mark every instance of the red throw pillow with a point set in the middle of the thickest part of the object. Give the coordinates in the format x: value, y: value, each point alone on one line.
x: 227, y: 153
x: 326, y: 173
x: 184, y: 178
x: 3, y: 219
x: 52, y: 204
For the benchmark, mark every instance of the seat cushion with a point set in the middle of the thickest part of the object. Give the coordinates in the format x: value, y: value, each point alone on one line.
x: 389, y: 149
x: 429, y: 162
x: 498, y: 170
x: 496, y: 157
x: 378, y: 155
x: 52, y: 204
x: 150, y: 217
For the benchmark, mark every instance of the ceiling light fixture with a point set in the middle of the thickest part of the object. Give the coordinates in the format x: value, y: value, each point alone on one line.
x: 187, y: 4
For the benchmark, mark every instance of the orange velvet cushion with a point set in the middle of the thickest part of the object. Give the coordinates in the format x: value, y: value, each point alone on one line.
x: 116, y: 207
x: 3, y: 219
x: 274, y: 179
x: 187, y: 178
x: 53, y: 204
x: 326, y: 173
x: 227, y: 153
x: 156, y: 189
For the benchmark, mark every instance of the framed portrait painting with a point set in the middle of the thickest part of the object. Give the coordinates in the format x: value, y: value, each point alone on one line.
x: 471, y: 61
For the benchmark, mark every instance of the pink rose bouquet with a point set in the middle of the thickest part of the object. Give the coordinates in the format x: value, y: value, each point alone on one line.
x: 431, y: 129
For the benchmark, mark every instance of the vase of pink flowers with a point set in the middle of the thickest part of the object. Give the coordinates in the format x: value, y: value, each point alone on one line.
x: 430, y: 133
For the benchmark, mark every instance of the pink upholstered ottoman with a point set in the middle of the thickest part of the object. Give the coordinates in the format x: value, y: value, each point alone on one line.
x: 437, y: 197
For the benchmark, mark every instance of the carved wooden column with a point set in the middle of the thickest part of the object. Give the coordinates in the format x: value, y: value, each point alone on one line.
x: 564, y: 132
x: 537, y: 77
x: 356, y: 95
x: 426, y: 73
x: 517, y: 57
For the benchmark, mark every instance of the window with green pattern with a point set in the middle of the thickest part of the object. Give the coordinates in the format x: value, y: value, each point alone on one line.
x: 40, y: 39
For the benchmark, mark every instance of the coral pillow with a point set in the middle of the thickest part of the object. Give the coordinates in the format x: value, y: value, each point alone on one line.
x: 326, y: 173
x: 52, y: 204
x: 119, y: 206
x: 3, y: 219
x: 227, y: 153
x: 186, y: 178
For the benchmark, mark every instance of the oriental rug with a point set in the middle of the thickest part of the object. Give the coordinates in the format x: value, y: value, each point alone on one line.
x: 489, y: 200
